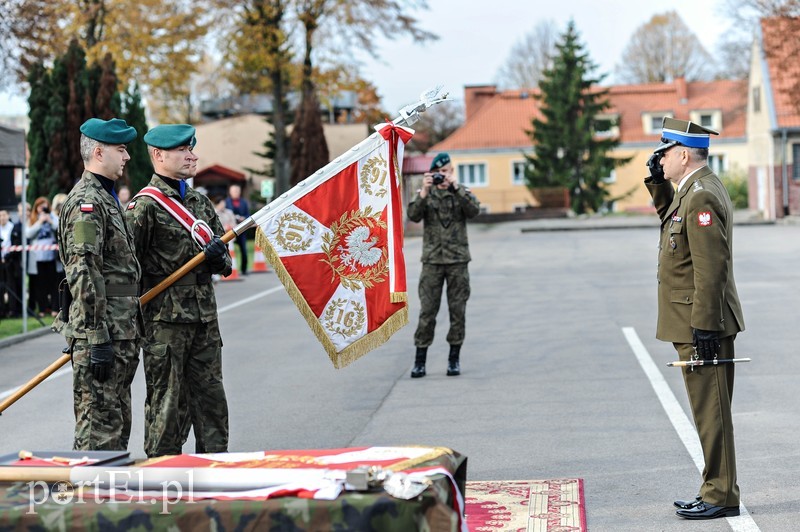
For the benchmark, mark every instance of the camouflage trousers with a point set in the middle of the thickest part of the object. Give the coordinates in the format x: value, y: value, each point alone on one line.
x: 431, y: 281
x: 103, y: 409
x: 183, y: 364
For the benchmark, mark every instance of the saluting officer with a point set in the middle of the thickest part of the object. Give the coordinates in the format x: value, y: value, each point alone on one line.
x: 444, y: 207
x: 103, y: 322
x: 698, y: 307
x: 182, y: 347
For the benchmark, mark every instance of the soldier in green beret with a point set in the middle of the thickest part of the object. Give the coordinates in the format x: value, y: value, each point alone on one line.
x: 102, y: 323
x: 698, y: 306
x: 443, y: 206
x: 182, y: 347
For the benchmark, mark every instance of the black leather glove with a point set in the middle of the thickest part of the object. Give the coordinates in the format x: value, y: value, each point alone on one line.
x: 706, y: 343
x: 656, y: 170
x: 215, y: 252
x: 101, y: 361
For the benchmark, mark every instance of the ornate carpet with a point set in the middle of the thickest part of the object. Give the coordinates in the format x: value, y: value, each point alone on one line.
x: 555, y: 505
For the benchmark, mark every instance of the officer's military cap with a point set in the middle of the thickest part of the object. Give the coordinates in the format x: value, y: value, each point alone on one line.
x: 685, y: 133
x: 440, y: 160
x: 169, y: 136
x: 114, y: 131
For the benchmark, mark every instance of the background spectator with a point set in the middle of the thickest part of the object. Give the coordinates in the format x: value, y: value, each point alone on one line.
x: 41, y: 232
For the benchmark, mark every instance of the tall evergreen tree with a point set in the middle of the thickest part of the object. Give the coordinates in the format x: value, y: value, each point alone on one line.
x: 567, y: 151
x: 38, y: 167
x: 139, y: 169
x: 61, y: 100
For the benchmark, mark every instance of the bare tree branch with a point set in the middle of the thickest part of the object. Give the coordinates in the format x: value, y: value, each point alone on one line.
x: 664, y: 49
x: 529, y: 57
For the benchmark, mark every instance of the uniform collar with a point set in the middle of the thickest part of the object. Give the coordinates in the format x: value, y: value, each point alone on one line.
x: 686, y: 178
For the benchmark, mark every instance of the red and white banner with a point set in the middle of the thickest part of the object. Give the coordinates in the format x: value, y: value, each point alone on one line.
x: 338, y: 246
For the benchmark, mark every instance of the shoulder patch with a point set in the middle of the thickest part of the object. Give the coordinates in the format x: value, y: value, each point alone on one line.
x: 697, y: 185
x: 704, y: 218
x: 87, y: 207
x: 85, y: 233
x: 131, y: 205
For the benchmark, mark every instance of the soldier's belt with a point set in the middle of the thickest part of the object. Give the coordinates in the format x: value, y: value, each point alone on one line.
x: 190, y: 279
x: 122, y: 290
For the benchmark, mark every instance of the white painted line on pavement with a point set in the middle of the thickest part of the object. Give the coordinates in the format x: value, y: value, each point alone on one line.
x: 684, y: 428
x: 250, y: 299
x: 59, y: 373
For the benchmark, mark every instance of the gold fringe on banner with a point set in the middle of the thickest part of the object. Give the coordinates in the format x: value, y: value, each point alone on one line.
x: 399, y: 297
x: 355, y: 350
x: 435, y: 453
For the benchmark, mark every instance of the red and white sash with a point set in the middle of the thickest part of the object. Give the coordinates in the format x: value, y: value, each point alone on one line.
x: 200, y: 230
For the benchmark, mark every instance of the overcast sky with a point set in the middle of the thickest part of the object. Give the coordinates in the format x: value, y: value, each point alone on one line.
x: 476, y: 37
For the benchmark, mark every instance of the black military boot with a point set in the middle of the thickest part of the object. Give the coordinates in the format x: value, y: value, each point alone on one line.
x: 453, y: 367
x: 419, y: 363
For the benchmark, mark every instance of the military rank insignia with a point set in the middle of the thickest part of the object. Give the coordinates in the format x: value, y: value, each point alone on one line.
x: 704, y: 219
x: 87, y: 207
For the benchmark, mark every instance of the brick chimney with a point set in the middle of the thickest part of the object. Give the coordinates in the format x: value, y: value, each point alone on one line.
x: 475, y: 96
x: 682, y: 90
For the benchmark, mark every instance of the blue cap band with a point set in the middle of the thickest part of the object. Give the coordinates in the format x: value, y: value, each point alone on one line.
x: 687, y: 139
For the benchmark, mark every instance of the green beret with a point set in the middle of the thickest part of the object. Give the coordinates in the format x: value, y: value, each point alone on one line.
x: 440, y: 160
x: 114, y: 131
x: 168, y: 136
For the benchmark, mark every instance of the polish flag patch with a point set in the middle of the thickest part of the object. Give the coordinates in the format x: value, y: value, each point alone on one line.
x: 131, y: 205
x: 704, y: 219
x: 87, y: 207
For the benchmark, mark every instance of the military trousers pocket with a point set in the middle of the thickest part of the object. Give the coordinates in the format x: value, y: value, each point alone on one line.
x: 157, y: 364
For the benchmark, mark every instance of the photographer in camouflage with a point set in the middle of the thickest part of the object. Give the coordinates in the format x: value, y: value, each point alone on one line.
x: 182, y: 344
x: 444, y: 207
x: 102, y: 321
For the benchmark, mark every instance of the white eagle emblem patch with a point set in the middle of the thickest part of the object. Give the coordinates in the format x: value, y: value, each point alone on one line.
x: 704, y: 219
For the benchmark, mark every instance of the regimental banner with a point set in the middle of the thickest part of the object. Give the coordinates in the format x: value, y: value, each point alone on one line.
x: 338, y: 248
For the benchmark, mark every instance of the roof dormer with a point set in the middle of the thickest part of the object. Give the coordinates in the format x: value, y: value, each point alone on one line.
x: 707, y: 118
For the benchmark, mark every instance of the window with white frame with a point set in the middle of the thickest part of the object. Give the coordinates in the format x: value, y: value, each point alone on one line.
x: 717, y: 163
x: 518, y: 173
x: 611, y: 177
x: 707, y: 118
x: 652, y: 122
x: 756, y: 99
x: 472, y: 174
x: 606, y: 125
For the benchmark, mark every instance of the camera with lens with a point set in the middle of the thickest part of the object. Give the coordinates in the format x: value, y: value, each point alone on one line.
x: 438, y: 179
x: 46, y: 210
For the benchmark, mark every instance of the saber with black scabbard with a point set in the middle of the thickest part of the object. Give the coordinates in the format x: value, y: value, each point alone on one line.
x: 703, y: 362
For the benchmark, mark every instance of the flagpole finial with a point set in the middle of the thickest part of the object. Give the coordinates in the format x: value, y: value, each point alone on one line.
x: 430, y: 97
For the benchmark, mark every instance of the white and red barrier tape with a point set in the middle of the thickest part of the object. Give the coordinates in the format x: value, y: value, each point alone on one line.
x: 31, y: 247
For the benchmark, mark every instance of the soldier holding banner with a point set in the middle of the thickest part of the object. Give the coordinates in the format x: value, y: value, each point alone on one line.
x: 100, y: 313
x: 182, y: 348
x: 444, y: 207
x: 698, y: 306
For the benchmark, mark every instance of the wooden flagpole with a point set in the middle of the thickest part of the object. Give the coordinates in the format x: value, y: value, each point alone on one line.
x: 145, y: 298
x: 408, y: 116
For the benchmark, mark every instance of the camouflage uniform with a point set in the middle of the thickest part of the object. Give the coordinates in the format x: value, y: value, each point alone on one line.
x: 445, y: 254
x: 103, y: 275
x: 182, y: 345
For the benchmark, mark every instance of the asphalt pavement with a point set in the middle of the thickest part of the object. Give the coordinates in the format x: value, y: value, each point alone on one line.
x: 554, y: 384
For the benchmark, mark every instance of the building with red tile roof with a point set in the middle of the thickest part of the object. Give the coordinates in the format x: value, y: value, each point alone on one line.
x: 773, y: 118
x: 488, y: 150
